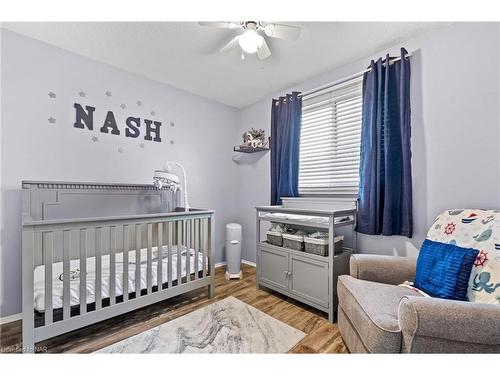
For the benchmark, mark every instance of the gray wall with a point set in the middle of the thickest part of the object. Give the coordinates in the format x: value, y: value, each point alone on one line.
x: 455, y: 94
x: 31, y: 148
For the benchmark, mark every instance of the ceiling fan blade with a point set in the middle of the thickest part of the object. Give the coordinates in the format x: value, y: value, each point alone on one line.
x: 263, y: 51
x: 221, y: 24
x: 275, y: 30
x: 231, y: 44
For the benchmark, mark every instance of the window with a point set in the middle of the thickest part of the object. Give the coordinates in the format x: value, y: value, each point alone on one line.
x: 330, y: 140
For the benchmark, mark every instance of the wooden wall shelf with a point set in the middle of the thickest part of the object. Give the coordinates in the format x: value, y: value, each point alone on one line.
x: 250, y: 150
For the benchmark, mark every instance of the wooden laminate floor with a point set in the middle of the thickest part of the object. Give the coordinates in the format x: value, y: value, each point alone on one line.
x: 321, y: 335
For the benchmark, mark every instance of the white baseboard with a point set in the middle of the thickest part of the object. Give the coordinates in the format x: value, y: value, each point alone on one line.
x: 248, y: 263
x: 11, y: 318
x: 220, y: 264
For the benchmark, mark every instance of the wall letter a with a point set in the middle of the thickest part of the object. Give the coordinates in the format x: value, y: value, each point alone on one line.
x: 110, y: 122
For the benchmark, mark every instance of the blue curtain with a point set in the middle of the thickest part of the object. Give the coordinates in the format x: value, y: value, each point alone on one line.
x: 385, y: 191
x: 285, y: 141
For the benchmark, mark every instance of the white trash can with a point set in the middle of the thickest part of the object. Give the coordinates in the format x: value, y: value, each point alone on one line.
x: 233, y: 251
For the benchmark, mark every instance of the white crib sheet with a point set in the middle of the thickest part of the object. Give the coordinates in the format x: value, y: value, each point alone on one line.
x: 57, y: 270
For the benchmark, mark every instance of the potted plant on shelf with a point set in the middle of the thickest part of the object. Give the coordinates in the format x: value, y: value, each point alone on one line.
x: 254, y: 138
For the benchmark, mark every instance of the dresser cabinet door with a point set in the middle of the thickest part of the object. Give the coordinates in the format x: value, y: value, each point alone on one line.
x: 309, y: 279
x: 274, y: 267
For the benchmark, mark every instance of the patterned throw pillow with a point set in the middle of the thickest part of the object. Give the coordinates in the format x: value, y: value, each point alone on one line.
x: 477, y: 229
x: 443, y: 270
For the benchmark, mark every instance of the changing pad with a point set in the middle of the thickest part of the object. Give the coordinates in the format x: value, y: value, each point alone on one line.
x: 303, y: 218
x: 57, y: 270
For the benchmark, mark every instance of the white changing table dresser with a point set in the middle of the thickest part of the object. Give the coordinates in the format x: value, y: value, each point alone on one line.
x: 309, y: 278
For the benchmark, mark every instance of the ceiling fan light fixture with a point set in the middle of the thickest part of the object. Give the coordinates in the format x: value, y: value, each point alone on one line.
x: 250, y: 41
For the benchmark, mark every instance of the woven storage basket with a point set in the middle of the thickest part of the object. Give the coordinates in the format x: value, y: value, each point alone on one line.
x: 294, y: 242
x: 275, y: 238
x: 319, y: 246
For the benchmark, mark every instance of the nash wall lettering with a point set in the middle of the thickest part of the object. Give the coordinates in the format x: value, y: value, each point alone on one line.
x: 84, y: 118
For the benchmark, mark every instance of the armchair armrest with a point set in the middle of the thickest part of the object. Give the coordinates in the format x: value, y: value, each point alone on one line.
x: 435, y: 324
x: 382, y: 268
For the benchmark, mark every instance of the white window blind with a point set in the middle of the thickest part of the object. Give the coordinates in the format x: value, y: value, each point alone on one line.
x: 330, y: 140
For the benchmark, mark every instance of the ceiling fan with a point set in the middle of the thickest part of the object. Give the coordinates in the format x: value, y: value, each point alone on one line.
x: 251, y: 39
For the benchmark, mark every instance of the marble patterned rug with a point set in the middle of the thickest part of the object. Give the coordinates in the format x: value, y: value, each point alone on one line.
x: 226, y: 326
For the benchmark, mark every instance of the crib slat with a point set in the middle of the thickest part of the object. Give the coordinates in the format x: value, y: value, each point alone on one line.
x: 188, y: 250
x: 112, y: 265
x: 169, y: 264
x: 63, y: 243
x: 196, y: 246
x: 138, y: 235
x: 84, y: 235
x: 204, y: 248
x: 98, y: 269
x: 179, y: 250
x: 91, y: 248
x: 149, y: 272
x: 159, y: 271
x: 126, y: 249
x: 48, y: 249
x: 211, y: 249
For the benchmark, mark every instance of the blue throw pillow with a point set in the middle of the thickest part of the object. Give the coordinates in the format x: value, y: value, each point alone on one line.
x: 443, y: 270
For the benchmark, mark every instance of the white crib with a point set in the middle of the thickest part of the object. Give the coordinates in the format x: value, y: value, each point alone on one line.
x: 112, y: 248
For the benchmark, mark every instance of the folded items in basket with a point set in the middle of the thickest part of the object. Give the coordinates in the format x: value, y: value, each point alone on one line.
x: 277, y: 228
x: 57, y: 272
x: 323, y: 240
x: 319, y: 234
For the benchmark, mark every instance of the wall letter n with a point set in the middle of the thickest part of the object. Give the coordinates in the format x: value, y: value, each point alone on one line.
x: 86, y: 117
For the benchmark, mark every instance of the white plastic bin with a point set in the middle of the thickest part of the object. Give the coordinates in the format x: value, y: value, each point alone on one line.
x: 233, y: 251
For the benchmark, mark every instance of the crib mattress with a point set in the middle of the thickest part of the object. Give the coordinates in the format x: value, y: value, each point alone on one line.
x: 303, y: 218
x: 57, y: 271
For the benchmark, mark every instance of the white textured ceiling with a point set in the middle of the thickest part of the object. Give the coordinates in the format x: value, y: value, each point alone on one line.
x: 184, y: 54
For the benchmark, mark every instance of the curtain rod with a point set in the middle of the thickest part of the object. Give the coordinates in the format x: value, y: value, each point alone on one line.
x: 345, y: 79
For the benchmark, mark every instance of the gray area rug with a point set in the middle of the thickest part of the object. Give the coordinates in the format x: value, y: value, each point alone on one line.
x: 227, y: 326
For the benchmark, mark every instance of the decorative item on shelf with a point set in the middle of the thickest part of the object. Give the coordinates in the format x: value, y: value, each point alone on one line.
x: 254, y: 140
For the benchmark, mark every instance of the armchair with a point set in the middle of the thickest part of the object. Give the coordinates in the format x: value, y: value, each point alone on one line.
x: 375, y: 315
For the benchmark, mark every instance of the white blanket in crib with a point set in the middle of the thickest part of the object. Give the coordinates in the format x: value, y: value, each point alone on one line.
x: 57, y: 270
